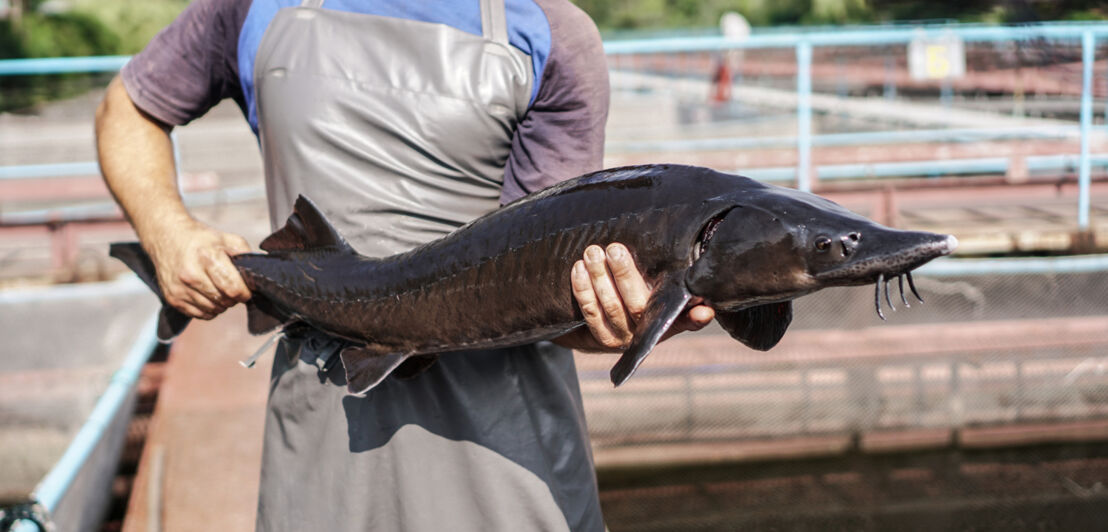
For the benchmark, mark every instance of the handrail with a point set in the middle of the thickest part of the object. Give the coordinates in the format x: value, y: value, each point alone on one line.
x: 53, y: 487
x: 62, y: 65
x: 856, y: 37
x: 1015, y: 266
x: 55, y: 484
x: 803, y: 42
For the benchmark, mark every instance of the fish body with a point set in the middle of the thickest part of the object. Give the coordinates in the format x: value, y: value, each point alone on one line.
x: 743, y: 247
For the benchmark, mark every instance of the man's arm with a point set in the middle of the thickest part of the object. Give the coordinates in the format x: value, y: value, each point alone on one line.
x: 192, y: 260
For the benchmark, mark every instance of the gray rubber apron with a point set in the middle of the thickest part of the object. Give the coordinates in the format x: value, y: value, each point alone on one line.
x: 399, y: 130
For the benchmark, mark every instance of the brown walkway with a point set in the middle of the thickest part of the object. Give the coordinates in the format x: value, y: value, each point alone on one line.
x: 199, y: 470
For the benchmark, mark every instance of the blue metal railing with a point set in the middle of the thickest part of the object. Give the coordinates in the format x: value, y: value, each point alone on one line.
x: 858, y: 37
x: 62, y: 65
x: 55, y: 486
x: 803, y: 42
x: 1086, y: 33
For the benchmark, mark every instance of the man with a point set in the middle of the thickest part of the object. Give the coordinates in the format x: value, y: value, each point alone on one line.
x: 402, y: 121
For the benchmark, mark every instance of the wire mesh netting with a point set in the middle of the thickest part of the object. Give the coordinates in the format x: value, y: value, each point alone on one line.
x: 985, y: 407
x: 925, y: 419
x: 983, y: 350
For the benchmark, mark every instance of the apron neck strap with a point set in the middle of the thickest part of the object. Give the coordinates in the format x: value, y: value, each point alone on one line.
x: 493, y: 24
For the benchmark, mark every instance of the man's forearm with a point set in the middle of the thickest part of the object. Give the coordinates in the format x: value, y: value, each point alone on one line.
x: 195, y: 273
x: 136, y: 159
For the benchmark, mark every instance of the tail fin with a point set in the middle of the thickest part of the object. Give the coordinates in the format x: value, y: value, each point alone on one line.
x: 171, y: 321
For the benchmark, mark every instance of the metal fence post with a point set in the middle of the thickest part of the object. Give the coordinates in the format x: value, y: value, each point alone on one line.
x: 804, y: 177
x: 1088, y: 42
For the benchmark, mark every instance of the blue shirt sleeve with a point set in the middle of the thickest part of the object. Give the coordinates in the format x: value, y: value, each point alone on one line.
x: 562, y: 134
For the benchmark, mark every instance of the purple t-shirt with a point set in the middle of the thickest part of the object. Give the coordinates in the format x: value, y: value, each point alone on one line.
x: 195, y: 63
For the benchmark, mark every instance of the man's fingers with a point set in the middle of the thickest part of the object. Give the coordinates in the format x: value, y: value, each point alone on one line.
x: 607, y: 296
x: 590, y: 307
x: 227, y: 280
x: 632, y: 288
x: 199, y: 277
x: 190, y: 309
x: 613, y: 296
x: 191, y: 303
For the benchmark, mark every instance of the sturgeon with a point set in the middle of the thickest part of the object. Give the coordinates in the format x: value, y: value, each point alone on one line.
x: 743, y: 247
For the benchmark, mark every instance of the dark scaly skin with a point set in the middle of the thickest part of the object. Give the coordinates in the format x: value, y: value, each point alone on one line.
x: 503, y: 279
x: 743, y: 247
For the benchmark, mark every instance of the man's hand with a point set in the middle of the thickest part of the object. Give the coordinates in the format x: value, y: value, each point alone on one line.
x: 612, y: 295
x: 192, y: 260
x: 194, y: 268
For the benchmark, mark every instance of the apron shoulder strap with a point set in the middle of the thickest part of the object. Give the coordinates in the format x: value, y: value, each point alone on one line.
x: 494, y: 26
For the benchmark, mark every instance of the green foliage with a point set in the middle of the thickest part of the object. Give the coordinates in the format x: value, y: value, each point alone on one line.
x: 60, y: 35
x: 839, y: 12
x: 135, y: 21
x: 91, y: 27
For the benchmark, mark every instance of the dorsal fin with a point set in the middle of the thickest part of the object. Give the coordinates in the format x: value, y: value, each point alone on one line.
x: 306, y: 229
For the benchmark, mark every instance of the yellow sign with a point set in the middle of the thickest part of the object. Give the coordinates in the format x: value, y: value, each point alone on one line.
x: 937, y: 58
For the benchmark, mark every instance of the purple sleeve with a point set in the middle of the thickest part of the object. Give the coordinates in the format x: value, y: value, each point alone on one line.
x: 562, y: 135
x: 191, y: 65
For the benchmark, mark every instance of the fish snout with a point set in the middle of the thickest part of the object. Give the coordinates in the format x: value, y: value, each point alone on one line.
x: 849, y: 243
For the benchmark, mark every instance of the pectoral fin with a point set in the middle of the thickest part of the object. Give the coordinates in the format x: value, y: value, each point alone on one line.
x: 758, y: 327
x: 665, y: 305
x: 366, y: 368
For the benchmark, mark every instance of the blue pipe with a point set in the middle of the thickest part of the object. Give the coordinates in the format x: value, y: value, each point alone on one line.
x: 79, y: 213
x: 856, y: 37
x: 1015, y: 266
x: 1088, y: 47
x: 986, y: 165
x: 62, y: 65
x: 56, y: 483
x: 36, y: 171
x: 915, y: 136
x: 804, y: 116
x: 831, y: 37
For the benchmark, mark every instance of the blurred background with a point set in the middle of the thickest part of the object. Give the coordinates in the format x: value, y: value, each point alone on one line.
x: 984, y: 408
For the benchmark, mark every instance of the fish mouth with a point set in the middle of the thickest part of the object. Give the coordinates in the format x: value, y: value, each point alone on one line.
x: 889, y: 265
x: 882, y: 269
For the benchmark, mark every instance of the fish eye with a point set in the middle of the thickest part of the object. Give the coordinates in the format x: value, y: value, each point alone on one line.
x: 823, y: 243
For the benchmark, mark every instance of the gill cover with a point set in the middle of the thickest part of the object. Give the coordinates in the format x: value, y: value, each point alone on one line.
x: 751, y: 255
